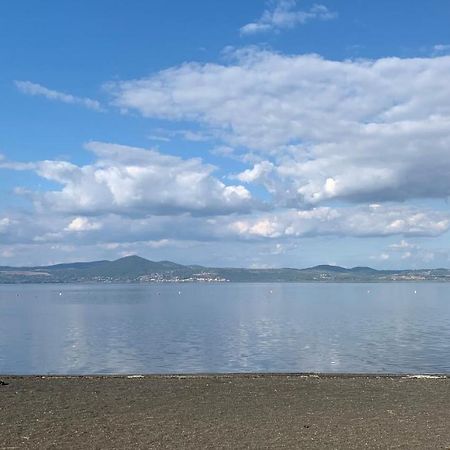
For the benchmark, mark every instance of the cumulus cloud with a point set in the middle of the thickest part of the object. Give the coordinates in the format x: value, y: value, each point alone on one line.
x: 257, y: 173
x: 83, y: 224
x: 136, y: 181
x: 29, y: 88
x: 365, y: 130
x: 362, y: 221
x: 282, y: 14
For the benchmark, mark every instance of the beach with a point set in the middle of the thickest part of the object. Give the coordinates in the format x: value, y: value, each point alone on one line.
x: 225, y: 411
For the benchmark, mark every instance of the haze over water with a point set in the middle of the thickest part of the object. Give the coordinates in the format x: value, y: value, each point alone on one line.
x: 198, y: 328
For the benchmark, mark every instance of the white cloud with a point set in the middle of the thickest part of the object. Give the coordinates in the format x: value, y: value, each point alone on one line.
x: 282, y: 14
x: 359, y: 221
x: 83, y: 224
x: 5, y: 223
x: 356, y: 130
x: 13, y: 165
x: 402, y: 245
x: 29, y: 88
x: 441, y: 48
x: 132, y: 180
x: 259, y: 171
x: 415, y: 253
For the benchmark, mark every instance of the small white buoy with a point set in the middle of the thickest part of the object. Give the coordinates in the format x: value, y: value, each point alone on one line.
x: 60, y: 293
x: 415, y: 292
x: 271, y: 292
x: 368, y: 291
x: 179, y: 292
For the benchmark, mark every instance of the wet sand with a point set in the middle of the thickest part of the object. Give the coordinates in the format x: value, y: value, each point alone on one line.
x: 236, y: 411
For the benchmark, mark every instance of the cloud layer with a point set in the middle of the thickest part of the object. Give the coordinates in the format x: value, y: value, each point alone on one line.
x: 323, y: 130
x: 373, y: 220
x: 321, y: 149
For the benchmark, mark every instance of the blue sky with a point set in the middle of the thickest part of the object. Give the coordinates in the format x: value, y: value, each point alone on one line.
x: 257, y: 133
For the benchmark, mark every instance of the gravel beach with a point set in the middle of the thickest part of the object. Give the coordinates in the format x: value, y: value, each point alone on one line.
x: 225, y: 411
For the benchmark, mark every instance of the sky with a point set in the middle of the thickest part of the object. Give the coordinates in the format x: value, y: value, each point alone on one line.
x: 275, y: 133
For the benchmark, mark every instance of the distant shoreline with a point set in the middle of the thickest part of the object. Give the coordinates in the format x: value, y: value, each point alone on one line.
x: 156, y: 283
x: 134, y: 269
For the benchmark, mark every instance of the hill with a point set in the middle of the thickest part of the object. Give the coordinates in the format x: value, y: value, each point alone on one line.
x: 134, y: 269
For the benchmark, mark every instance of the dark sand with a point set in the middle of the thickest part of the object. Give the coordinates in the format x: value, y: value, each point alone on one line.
x: 237, y: 411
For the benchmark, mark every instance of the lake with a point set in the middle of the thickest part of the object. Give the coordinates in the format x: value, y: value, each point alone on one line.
x: 198, y: 328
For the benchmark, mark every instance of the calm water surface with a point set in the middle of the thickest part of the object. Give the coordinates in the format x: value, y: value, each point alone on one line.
x: 188, y: 328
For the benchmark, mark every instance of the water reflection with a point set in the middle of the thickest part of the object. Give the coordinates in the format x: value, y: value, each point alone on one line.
x: 225, y: 328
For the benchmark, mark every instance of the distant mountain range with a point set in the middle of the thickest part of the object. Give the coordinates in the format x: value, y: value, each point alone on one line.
x: 134, y: 269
